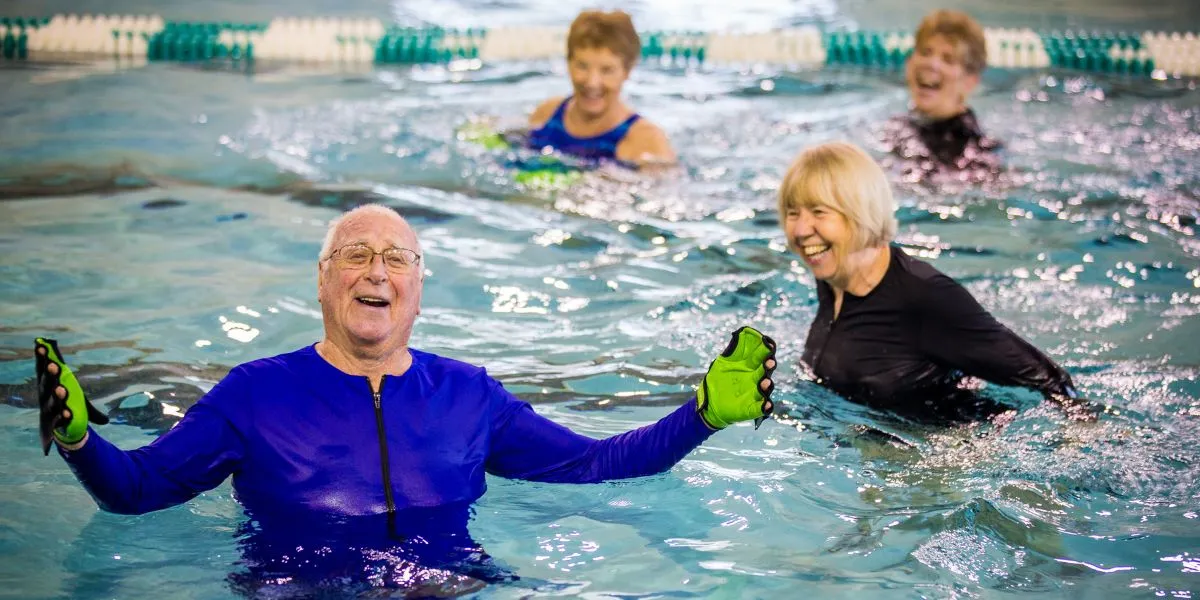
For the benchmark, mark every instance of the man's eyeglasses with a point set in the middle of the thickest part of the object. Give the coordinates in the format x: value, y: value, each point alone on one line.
x: 357, y: 256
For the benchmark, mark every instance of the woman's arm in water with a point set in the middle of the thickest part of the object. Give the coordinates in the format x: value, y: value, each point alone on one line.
x: 956, y: 331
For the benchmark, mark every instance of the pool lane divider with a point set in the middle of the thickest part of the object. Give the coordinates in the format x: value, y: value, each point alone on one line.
x: 366, y: 42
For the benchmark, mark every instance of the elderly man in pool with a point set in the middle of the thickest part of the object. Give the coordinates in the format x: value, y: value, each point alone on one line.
x: 361, y: 424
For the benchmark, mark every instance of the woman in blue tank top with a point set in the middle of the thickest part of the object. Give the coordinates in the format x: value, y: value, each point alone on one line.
x: 593, y: 123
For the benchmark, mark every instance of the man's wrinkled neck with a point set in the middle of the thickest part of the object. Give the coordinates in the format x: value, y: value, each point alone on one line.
x: 372, y: 362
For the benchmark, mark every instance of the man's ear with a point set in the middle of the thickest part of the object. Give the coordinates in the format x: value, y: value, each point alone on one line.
x: 421, y: 290
x: 320, y: 281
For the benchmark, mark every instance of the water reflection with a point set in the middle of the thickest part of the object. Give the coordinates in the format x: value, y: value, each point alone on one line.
x: 602, y: 303
x: 427, y: 554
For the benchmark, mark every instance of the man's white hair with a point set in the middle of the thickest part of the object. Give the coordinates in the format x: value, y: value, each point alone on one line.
x: 365, y: 209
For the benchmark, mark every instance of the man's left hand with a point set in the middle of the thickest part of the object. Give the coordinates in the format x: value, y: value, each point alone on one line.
x: 738, y: 384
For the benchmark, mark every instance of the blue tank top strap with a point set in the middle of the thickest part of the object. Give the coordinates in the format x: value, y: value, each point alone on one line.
x: 623, y: 128
x: 593, y: 149
x: 558, y: 112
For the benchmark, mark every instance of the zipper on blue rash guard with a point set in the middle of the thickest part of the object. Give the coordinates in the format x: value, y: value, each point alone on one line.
x: 383, y: 456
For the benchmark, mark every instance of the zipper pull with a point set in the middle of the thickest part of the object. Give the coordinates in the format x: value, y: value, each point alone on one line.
x: 376, y: 394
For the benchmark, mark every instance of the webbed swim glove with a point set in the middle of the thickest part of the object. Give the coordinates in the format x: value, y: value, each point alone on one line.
x: 483, y: 135
x: 67, y: 431
x: 732, y: 389
x: 547, y: 180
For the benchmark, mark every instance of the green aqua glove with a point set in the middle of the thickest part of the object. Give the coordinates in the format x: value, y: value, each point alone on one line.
x: 67, y: 431
x: 548, y: 180
x: 732, y: 389
x: 483, y: 135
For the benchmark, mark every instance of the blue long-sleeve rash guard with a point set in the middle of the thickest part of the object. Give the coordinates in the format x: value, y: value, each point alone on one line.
x: 298, y: 435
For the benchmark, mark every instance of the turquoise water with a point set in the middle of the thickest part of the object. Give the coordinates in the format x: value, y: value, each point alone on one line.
x: 163, y: 222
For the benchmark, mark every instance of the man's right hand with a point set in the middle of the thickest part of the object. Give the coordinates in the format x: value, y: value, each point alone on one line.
x: 65, y: 409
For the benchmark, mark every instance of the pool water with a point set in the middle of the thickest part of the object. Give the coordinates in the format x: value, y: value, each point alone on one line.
x: 163, y: 222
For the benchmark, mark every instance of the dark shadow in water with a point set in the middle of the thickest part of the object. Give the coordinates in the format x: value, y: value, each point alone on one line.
x: 69, y: 180
x: 347, y: 199
x: 949, y: 249
x: 891, y: 423
x: 175, y: 387
x: 958, y: 408
x: 50, y: 180
x: 162, y: 203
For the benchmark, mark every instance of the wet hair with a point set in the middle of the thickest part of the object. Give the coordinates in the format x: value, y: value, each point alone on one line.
x: 961, y: 29
x: 609, y: 30
x: 365, y: 209
x: 842, y: 177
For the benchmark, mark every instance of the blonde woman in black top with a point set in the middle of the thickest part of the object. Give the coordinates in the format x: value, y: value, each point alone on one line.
x: 891, y: 330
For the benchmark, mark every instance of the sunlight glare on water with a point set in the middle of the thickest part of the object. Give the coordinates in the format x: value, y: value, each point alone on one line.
x: 163, y: 223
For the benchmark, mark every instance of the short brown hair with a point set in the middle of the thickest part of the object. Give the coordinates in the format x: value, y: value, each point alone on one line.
x: 610, y: 30
x: 961, y: 29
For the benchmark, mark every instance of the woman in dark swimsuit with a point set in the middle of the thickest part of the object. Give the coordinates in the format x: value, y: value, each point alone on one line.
x: 940, y: 131
x: 892, y: 331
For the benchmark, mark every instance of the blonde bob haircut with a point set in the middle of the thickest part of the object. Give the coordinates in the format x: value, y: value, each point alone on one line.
x: 842, y: 177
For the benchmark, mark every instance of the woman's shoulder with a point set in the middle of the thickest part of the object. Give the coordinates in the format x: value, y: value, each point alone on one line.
x: 918, y: 277
x: 545, y: 110
x: 646, y: 142
x: 912, y: 265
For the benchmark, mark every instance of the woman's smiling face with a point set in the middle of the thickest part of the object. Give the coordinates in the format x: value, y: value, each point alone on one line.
x: 822, y: 237
x: 597, y: 76
x: 938, y: 79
